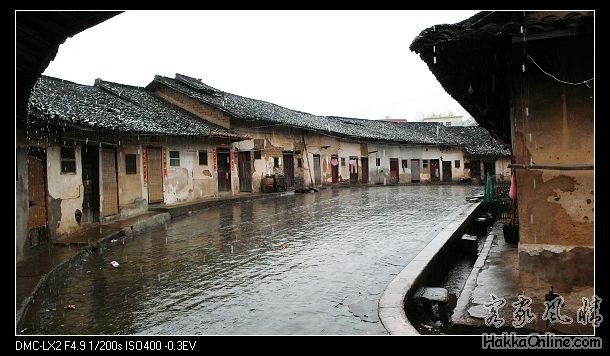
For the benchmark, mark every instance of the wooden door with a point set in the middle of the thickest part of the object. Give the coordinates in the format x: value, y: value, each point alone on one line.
x: 154, y: 162
x: 317, y: 171
x: 394, y: 170
x: 37, y: 193
x: 90, y: 159
x: 224, y: 170
x: 289, y: 169
x: 245, y: 171
x: 365, y: 169
x: 110, y: 205
x: 415, y: 170
x: 447, y: 171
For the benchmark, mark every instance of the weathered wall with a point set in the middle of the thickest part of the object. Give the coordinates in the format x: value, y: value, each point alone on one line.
x: 132, y: 200
x: 452, y: 155
x: 21, y: 196
x: 190, y: 181
x: 202, y: 110
x: 275, y: 141
x: 553, y: 124
x: 502, y: 169
x: 326, y: 146
x: 409, y: 152
x: 65, y: 194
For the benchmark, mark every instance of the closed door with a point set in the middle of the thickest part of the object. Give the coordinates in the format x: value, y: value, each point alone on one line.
x: 365, y: 169
x: 155, y: 175
x: 289, y: 169
x: 245, y: 171
x: 37, y: 195
x: 110, y: 205
x: 415, y: 170
x: 394, y: 170
x: 317, y: 171
x: 447, y: 171
x: 224, y: 170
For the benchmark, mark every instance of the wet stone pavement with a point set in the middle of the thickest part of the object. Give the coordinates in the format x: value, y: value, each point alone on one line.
x: 298, y: 264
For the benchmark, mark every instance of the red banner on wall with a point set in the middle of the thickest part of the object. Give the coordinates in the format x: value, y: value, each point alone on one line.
x: 232, y: 154
x: 214, y: 160
x: 164, y: 162
x: 145, y: 165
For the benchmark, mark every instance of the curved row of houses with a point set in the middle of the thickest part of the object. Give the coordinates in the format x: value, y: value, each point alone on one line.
x: 95, y: 153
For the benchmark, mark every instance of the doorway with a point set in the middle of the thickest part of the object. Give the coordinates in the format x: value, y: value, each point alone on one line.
x: 415, y: 171
x: 37, y: 196
x: 244, y: 160
x: 154, y: 174
x: 317, y: 172
x: 353, y: 170
x: 447, y: 171
x: 435, y: 175
x: 365, y: 169
x: 110, y: 191
x: 91, y: 183
x: 288, y: 160
x: 224, y: 170
x: 489, y: 169
x: 393, y: 170
x: 334, y: 168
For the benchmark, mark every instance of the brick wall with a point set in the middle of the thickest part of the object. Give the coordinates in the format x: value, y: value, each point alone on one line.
x: 195, y: 107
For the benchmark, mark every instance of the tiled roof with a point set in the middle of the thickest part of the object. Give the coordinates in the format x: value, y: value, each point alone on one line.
x: 114, y: 107
x: 426, y: 133
x: 476, y: 140
x: 494, y: 25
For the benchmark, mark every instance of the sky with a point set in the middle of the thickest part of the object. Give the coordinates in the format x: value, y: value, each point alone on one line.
x: 342, y: 63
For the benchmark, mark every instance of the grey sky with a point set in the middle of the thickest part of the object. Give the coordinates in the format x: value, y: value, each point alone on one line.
x: 345, y: 63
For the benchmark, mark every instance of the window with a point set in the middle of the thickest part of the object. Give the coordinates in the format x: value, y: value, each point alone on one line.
x: 457, y: 163
x: 68, y: 160
x: 342, y: 161
x: 203, y: 158
x: 448, y: 123
x: 377, y: 162
x: 425, y: 163
x: 299, y: 163
x: 174, y: 158
x: 405, y: 163
x: 257, y: 154
x: 276, y: 162
x: 130, y: 163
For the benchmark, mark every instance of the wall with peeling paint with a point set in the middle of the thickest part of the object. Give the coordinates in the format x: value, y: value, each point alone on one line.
x: 65, y: 194
x: 190, y: 181
x: 132, y: 197
x: 276, y: 140
x: 553, y: 125
x: 326, y: 146
x: 381, y: 174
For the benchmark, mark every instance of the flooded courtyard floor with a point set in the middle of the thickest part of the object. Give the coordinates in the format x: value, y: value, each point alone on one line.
x: 297, y: 264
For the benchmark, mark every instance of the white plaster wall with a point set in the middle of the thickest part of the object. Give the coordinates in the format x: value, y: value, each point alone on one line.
x: 65, y: 186
x: 502, y: 167
x: 190, y: 181
x: 401, y: 152
x: 452, y: 155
